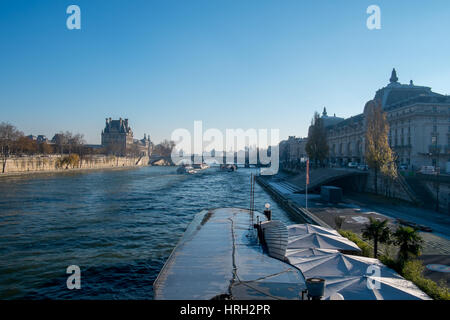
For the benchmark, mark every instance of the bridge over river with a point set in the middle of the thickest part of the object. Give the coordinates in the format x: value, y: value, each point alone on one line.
x: 323, y: 176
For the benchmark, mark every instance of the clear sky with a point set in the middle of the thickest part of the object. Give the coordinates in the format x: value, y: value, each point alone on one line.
x: 230, y: 63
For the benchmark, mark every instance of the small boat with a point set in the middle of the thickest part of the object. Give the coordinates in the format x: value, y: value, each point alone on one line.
x: 228, y: 167
x: 220, y: 257
x: 240, y: 254
x: 186, y: 170
x: 201, y: 166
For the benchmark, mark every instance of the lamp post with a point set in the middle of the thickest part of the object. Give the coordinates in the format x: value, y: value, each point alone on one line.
x: 437, y: 169
x: 267, y: 211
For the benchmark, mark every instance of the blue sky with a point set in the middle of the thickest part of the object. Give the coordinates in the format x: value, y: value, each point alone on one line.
x: 232, y: 64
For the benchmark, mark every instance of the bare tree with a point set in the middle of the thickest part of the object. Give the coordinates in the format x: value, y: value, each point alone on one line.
x: 164, y: 149
x: 133, y: 150
x: 60, y: 140
x: 45, y: 148
x: 317, y: 147
x: 25, y: 145
x: 8, y: 138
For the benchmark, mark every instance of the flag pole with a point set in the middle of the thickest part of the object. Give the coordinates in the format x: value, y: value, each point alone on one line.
x: 307, y: 182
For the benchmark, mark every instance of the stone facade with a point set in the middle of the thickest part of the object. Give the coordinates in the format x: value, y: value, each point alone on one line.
x: 292, y: 150
x: 419, y: 121
x: 117, y: 138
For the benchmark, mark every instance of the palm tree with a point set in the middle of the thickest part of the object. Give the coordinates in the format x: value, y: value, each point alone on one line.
x: 378, y: 232
x: 409, y: 241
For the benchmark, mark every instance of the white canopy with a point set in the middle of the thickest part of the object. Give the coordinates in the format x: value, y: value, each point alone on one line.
x: 355, y: 288
x: 338, y: 265
x: 301, y: 229
x: 308, y: 252
x: 322, y: 241
x: 349, y: 276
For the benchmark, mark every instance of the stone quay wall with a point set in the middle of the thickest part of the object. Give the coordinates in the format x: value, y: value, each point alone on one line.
x: 49, y: 163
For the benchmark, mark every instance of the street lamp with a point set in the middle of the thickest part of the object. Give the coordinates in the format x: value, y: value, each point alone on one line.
x: 436, y: 152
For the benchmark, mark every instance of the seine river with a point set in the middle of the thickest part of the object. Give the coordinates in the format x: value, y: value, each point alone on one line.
x: 118, y: 226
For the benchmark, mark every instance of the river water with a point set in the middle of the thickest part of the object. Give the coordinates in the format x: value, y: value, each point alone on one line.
x: 118, y: 226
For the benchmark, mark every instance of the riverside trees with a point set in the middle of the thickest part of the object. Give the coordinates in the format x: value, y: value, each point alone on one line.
x: 14, y: 142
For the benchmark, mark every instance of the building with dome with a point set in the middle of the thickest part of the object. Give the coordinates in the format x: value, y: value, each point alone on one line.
x: 419, y: 121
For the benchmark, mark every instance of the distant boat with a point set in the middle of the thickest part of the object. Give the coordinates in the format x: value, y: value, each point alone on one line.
x: 201, y: 166
x: 186, y: 170
x: 228, y: 167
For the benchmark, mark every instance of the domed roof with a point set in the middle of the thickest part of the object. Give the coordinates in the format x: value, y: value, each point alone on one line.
x: 396, y: 92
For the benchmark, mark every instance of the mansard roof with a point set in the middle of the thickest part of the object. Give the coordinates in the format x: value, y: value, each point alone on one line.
x: 117, y: 126
x: 419, y: 99
x: 396, y: 94
x: 351, y: 120
x: 331, y: 121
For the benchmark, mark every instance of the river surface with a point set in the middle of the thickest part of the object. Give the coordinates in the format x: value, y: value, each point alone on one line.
x: 118, y: 226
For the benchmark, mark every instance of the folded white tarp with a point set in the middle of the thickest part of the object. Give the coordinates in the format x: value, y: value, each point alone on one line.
x: 308, y: 252
x: 322, y: 241
x: 356, y: 288
x: 339, y: 265
x: 301, y: 229
x: 355, y: 277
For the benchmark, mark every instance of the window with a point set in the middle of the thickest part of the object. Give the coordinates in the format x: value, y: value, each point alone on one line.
x: 434, y: 129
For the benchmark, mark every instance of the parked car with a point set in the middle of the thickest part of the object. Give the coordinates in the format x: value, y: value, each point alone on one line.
x: 427, y: 170
x: 403, y: 167
x: 363, y: 167
x: 352, y: 165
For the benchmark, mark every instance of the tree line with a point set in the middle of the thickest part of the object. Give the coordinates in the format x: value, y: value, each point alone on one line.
x: 13, y: 142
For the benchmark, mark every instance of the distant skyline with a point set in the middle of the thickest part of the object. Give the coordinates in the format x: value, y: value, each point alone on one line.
x: 231, y: 64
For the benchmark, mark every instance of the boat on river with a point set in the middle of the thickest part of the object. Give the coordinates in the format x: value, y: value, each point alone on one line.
x: 201, y: 166
x: 185, y: 169
x: 241, y: 254
x: 228, y: 167
x: 220, y: 256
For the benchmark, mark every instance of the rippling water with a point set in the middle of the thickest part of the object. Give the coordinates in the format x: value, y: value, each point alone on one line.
x: 118, y: 226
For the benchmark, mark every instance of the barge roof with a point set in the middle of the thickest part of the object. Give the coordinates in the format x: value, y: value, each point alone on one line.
x: 219, y: 256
